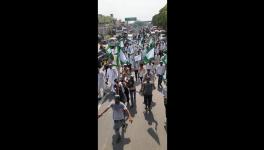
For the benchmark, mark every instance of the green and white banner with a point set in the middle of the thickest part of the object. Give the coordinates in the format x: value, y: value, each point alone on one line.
x: 122, y: 57
x: 149, y: 56
x: 164, y: 59
x: 121, y: 44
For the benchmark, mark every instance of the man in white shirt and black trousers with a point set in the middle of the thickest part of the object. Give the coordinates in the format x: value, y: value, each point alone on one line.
x: 118, y: 116
x: 149, y: 66
x: 111, y: 75
x: 160, y: 72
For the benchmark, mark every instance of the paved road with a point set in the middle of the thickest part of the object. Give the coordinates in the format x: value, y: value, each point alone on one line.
x: 147, y: 132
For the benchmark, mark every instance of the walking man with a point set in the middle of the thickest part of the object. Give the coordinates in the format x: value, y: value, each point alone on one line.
x: 147, y: 91
x: 160, y: 72
x: 136, y: 68
x: 118, y: 116
x: 111, y: 76
x: 149, y: 66
x: 126, y: 91
x: 151, y: 76
x: 141, y: 72
x: 132, y: 90
x: 119, y: 90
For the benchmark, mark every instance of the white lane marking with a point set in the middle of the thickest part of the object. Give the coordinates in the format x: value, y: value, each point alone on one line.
x: 99, y: 106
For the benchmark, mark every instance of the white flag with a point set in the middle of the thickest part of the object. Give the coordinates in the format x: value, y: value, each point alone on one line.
x: 132, y: 50
x: 109, y: 51
x: 138, y: 58
x: 121, y: 44
x: 150, y: 41
x: 122, y: 57
x: 150, y: 54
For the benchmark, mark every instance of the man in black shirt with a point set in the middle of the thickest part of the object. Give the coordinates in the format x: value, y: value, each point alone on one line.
x: 132, y: 90
x: 147, y: 91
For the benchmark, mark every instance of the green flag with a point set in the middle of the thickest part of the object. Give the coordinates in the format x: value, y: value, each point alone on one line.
x: 146, y: 50
x: 149, y: 56
x: 108, y: 51
x: 151, y: 43
x: 117, y: 50
x: 116, y: 61
x: 164, y: 59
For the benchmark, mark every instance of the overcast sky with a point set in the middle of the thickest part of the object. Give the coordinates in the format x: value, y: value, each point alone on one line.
x: 144, y: 10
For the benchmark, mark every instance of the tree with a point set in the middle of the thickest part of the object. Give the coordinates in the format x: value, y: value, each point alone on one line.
x: 154, y: 20
x: 105, y: 19
x: 161, y: 18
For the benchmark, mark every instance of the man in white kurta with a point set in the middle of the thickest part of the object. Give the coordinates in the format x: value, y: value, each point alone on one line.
x: 131, y: 60
x: 112, y: 75
x: 160, y: 72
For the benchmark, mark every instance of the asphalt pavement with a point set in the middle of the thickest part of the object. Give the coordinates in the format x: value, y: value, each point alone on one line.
x: 147, y: 132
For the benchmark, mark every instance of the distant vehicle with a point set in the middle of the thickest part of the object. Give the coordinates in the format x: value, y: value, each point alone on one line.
x: 163, y: 32
x: 130, y: 37
x: 124, y: 29
x: 152, y: 33
x: 154, y: 28
x: 162, y: 37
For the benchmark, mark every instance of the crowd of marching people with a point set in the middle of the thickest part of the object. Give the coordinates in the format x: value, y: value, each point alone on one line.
x: 140, y: 61
x: 135, y: 66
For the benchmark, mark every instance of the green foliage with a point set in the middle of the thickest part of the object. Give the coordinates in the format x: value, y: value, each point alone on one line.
x: 161, y: 18
x: 105, y: 19
x: 107, y: 37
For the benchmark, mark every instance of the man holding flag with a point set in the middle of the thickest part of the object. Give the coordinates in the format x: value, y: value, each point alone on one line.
x: 149, y: 56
